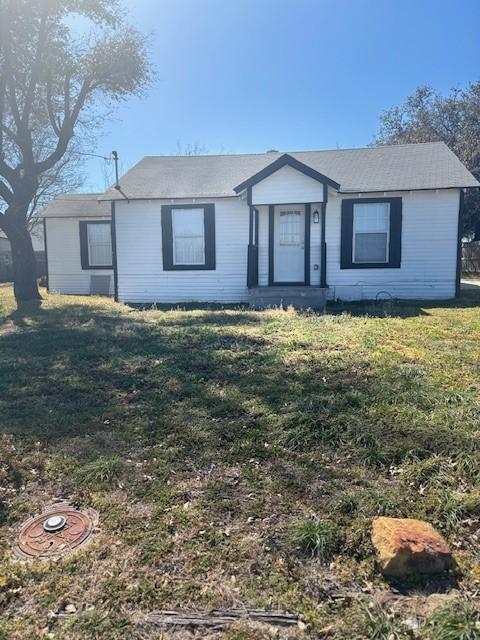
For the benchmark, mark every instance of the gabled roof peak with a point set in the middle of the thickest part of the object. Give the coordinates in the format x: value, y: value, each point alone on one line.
x: 285, y: 160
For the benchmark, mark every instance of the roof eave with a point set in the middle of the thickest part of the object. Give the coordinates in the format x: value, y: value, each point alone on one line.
x: 403, y: 189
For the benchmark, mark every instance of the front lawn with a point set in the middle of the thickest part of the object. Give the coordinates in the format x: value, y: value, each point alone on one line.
x: 236, y: 458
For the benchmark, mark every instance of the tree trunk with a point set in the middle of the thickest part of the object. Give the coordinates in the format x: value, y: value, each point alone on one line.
x: 476, y: 237
x: 25, y: 285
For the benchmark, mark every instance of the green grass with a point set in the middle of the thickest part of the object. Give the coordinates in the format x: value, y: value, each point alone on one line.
x: 318, y: 536
x: 235, y: 457
x: 457, y: 622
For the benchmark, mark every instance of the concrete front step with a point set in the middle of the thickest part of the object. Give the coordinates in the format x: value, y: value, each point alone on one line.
x: 281, y: 296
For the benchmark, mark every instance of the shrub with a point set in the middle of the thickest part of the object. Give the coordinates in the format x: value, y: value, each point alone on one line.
x: 101, y: 471
x: 381, y: 625
x: 347, y: 503
x: 459, y: 621
x: 318, y: 536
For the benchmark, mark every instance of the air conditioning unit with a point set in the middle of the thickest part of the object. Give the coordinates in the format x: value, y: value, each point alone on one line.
x: 100, y: 285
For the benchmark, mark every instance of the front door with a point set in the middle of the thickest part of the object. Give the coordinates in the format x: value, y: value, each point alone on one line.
x: 289, y: 244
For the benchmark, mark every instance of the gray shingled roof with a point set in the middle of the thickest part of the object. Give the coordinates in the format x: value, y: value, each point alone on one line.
x: 387, y: 168
x: 76, y: 205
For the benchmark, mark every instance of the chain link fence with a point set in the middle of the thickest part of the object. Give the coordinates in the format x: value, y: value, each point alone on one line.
x: 471, y: 258
x: 6, y: 271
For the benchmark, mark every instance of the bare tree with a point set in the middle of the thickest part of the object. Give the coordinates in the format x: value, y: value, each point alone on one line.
x: 191, y: 149
x: 65, y: 176
x: 55, y: 85
x: 427, y: 116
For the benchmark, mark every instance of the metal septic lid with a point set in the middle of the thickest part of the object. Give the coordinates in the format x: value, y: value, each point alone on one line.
x: 56, y: 531
x: 54, y: 523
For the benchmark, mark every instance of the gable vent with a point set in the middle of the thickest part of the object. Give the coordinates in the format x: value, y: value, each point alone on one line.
x: 100, y: 285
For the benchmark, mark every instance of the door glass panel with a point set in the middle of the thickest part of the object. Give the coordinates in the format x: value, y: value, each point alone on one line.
x: 290, y: 232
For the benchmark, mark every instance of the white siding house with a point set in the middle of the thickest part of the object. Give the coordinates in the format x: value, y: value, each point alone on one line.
x: 429, y: 251
x: 271, y: 228
x: 141, y: 277
x: 428, y: 268
x: 65, y: 271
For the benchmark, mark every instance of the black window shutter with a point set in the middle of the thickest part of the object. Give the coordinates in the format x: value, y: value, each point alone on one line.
x: 83, y: 245
x: 395, y: 247
x: 209, y: 210
x: 167, y: 238
x: 346, y: 235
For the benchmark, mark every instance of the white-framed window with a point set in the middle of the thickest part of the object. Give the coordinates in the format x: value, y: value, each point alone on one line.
x: 188, y: 231
x: 99, y: 244
x: 290, y: 232
x: 371, y: 231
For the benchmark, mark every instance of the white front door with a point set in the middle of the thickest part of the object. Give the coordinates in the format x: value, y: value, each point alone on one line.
x: 289, y: 244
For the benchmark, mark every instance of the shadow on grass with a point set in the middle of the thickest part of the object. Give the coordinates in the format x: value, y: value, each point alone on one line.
x: 25, y: 311
x: 116, y: 381
x: 426, y: 584
x: 90, y: 381
x: 393, y: 308
x: 69, y: 352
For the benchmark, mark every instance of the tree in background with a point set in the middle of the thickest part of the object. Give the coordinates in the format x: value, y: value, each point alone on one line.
x: 59, y: 75
x: 191, y: 149
x: 427, y: 116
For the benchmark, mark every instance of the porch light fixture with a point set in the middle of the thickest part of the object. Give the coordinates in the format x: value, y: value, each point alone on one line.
x: 316, y: 217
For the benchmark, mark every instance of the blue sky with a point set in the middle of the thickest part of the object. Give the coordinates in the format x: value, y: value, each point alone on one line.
x: 241, y: 76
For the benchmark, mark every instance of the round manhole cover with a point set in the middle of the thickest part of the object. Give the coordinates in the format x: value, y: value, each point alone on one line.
x: 56, y: 531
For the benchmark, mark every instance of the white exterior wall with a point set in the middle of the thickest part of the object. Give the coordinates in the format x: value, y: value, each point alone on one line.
x: 286, y: 186
x: 429, y: 250
x: 65, y: 273
x: 139, y: 255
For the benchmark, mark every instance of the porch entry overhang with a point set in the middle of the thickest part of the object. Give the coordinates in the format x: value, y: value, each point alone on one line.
x: 288, y: 189
x: 289, y: 244
x: 285, y: 161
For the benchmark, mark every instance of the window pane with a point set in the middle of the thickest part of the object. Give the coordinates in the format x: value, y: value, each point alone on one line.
x: 372, y: 217
x: 187, y: 222
x: 189, y: 251
x: 290, y: 228
x: 99, y: 245
x: 371, y: 226
x: 188, y: 236
x: 371, y: 247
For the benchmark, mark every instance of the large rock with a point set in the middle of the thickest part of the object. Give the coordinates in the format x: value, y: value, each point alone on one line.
x: 406, y: 546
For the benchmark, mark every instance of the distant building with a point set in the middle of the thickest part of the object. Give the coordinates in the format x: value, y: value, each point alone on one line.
x: 38, y: 242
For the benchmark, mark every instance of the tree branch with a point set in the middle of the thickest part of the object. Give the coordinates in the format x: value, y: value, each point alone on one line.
x: 35, y: 75
x: 66, y: 95
x: 3, y: 90
x: 11, y: 134
x: 66, y: 131
x: 5, y: 193
x: 10, y: 83
x: 6, y: 171
x: 51, y: 113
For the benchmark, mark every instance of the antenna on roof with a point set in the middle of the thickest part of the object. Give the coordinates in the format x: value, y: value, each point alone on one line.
x: 117, y: 183
x: 115, y: 159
